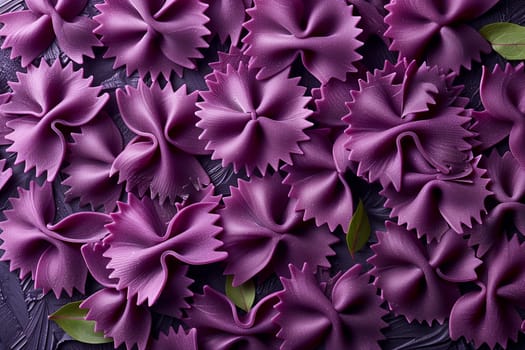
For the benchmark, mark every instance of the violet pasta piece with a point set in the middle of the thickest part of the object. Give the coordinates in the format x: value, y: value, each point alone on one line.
x: 507, y: 212
x: 437, y: 32
x: 420, y: 281
x: 323, y: 33
x: 49, y: 252
x: 234, y: 58
x: 116, y: 315
x: 319, y: 182
x: 30, y: 32
x: 263, y: 232
x: 491, y: 314
x: 221, y: 327
x: 331, y: 99
x: 372, y: 21
x: 176, y: 339
x: 433, y: 203
x: 253, y: 123
x: 502, y: 94
x: 90, y: 158
x: 206, y: 194
x: 155, y: 36
x: 407, y: 118
x: 342, y: 314
x: 227, y: 17
x: 45, y: 102
x: 5, y: 175
x: 149, y: 250
x: 161, y: 158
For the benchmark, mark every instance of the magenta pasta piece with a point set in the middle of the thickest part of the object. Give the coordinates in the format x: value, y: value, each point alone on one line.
x: 491, y: 314
x: 179, y: 338
x: 96, y: 263
x: 90, y: 157
x: 372, y: 21
x: 344, y: 313
x: 45, y: 102
x: 49, y: 252
x: 227, y: 17
x: 318, y: 180
x: 502, y: 93
x: 435, y: 31
x: 161, y: 158
x: 508, y: 213
x: 234, y: 58
x: 407, y: 118
x: 221, y: 327
x: 431, y: 204
x: 331, y: 99
x: 154, y: 36
x: 116, y: 315
x: 322, y: 33
x: 30, y: 32
x: 263, y: 233
x: 253, y: 123
x: 420, y: 281
x: 119, y: 317
x: 161, y: 247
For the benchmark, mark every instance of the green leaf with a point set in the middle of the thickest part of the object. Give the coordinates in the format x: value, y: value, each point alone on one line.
x: 72, y: 319
x: 507, y: 39
x: 358, y: 230
x: 243, y: 296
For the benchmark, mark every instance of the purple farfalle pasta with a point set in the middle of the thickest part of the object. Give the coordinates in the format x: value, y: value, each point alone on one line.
x: 114, y: 314
x: 318, y: 180
x: 90, y: 158
x: 491, y: 313
x: 44, y: 103
x: 221, y: 327
x: 407, y: 118
x: 435, y: 31
x: 227, y: 17
x: 161, y: 158
x: 176, y: 339
x: 263, y: 233
x: 432, y: 203
x: 30, y: 32
x: 154, y: 36
x: 372, y: 21
x: 49, y: 252
x: 234, y: 58
x: 323, y: 33
x: 119, y: 317
x: 330, y: 101
x: 420, y: 281
x: 149, y: 251
x: 347, y: 315
x: 503, y: 94
x: 253, y: 123
x: 508, y: 211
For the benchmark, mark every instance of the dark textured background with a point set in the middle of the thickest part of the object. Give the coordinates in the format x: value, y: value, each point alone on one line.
x: 24, y: 311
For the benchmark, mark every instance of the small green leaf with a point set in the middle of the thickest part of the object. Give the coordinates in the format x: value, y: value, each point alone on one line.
x: 72, y: 319
x: 243, y: 296
x: 507, y: 39
x: 358, y: 230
